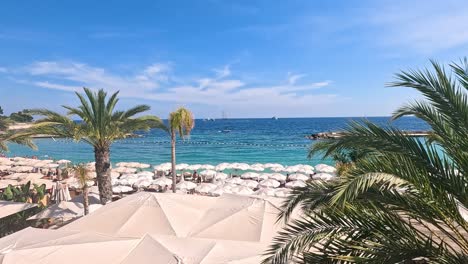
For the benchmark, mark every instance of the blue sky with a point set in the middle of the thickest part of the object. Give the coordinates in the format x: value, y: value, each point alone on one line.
x: 247, y: 58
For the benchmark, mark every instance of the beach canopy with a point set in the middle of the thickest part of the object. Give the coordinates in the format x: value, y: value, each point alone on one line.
x: 185, y: 216
x: 33, y: 245
x: 8, y: 208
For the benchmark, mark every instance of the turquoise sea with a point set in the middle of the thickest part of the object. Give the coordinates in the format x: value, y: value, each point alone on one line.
x: 212, y: 142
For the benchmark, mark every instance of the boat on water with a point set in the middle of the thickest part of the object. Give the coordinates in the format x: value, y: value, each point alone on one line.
x: 274, y: 118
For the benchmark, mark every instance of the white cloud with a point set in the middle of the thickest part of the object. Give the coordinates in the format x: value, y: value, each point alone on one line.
x: 224, y: 72
x: 426, y: 26
x: 293, y: 78
x: 67, y: 75
x: 155, y: 83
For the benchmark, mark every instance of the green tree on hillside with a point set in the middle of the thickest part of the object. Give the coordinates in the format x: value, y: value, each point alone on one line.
x: 21, y: 116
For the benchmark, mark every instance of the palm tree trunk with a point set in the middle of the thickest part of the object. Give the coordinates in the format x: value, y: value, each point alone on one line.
x: 103, y: 169
x: 173, y: 160
x: 85, y: 199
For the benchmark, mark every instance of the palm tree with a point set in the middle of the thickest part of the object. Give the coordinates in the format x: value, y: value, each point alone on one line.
x: 81, y: 174
x: 10, y: 136
x: 181, y: 122
x: 100, y: 126
x: 405, y: 201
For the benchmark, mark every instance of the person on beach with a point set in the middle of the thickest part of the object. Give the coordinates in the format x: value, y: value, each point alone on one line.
x: 195, y: 176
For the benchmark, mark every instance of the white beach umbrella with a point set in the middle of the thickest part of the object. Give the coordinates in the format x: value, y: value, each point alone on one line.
x: 186, y: 185
x: 181, y: 166
x: 194, y: 167
x: 235, y: 180
x: 63, y: 161
x: 272, y: 165
x: 257, y: 168
x: 222, y: 166
x: 229, y: 185
x: 5, y: 167
x: 269, y: 183
x: 121, y: 164
x: 294, y: 184
x: 240, y: 166
x: 298, y: 176
x: 218, y: 191
x: 208, y: 167
x: 140, y: 183
x: 261, y: 176
x: 163, y: 166
x: 208, y: 173
x: 162, y: 181
x: 206, y: 187
x: 249, y: 175
x: 291, y: 169
x: 122, y: 182
x: 249, y: 183
x: 282, y: 192
x: 128, y: 176
x: 242, y: 190
x: 114, y: 174
x: 51, y: 165
x: 121, y: 189
x: 277, y: 169
x: 257, y: 165
x: 323, y: 176
x: 60, y: 193
x: 306, y: 171
x: 144, y: 166
x: 266, y: 191
x: 124, y: 170
x: 277, y: 176
x: 5, y: 161
x: 145, y: 173
x: 21, y: 169
x: 325, y: 168
x: 221, y: 176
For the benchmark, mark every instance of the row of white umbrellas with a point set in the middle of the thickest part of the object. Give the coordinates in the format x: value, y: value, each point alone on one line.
x: 275, y: 167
